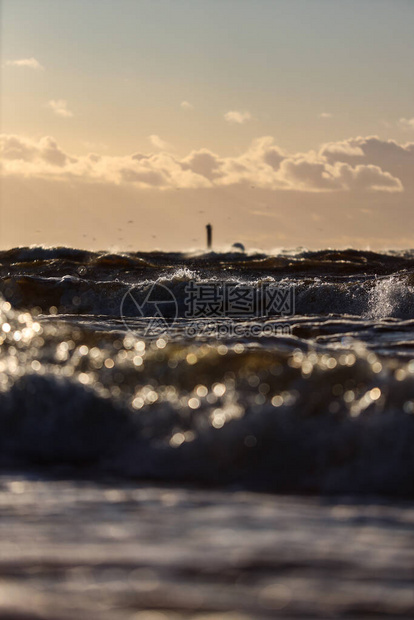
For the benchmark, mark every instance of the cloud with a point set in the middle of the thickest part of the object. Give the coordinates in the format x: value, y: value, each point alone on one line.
x: 52, y: 154
x: 304, y: 174
x: 30, y: 157
x: 341, y: 148
x: 359, y: 165
x: 307, y: 175
x: 186, y: 105
x: 60, y: 108
x: 325, y: 115
x: 204, y: 163
x: 15, y: 148
x: 407, y: 123
x: 31, y: 63
x: 389, y: 155
x: 369, y: 177
x: 159, y: 143
x: 237, y: 117
x: 146, y: 177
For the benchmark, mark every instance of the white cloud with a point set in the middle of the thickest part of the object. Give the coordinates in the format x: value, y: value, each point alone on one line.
x: 359, y: 165
x: 31, y: 63
x: 159, y: 143
x: 341, y: 148
x: 325, y: 115
x: 397, y: 159
x: 237, y: 117
x: 60, y: 108
x: 408, y: 123
x: 203, y: 162
x: 186, y: 105
x: 46, y: 151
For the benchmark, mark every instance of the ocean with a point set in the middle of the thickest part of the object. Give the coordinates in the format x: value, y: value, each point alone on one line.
x: 221, y: 435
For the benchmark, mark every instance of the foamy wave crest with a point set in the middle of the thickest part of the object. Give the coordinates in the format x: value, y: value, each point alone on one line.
x: 391, y: 297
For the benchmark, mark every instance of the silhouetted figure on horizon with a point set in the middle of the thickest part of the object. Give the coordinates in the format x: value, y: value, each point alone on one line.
x: 209, y: 229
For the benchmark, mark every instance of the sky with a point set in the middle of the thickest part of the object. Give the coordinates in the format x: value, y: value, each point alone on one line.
x: 130, y: 124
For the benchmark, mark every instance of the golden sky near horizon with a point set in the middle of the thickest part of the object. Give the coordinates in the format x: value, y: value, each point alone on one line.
x: 131, y: 124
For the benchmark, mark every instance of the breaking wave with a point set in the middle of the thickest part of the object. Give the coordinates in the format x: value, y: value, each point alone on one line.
x: 289, y: 416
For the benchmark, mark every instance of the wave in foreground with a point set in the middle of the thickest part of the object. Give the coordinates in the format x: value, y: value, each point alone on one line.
x: 283, y: 414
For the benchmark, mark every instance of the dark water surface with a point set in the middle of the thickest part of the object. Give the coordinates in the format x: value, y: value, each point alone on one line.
x: 316, y: 399
x: 84, y: 550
